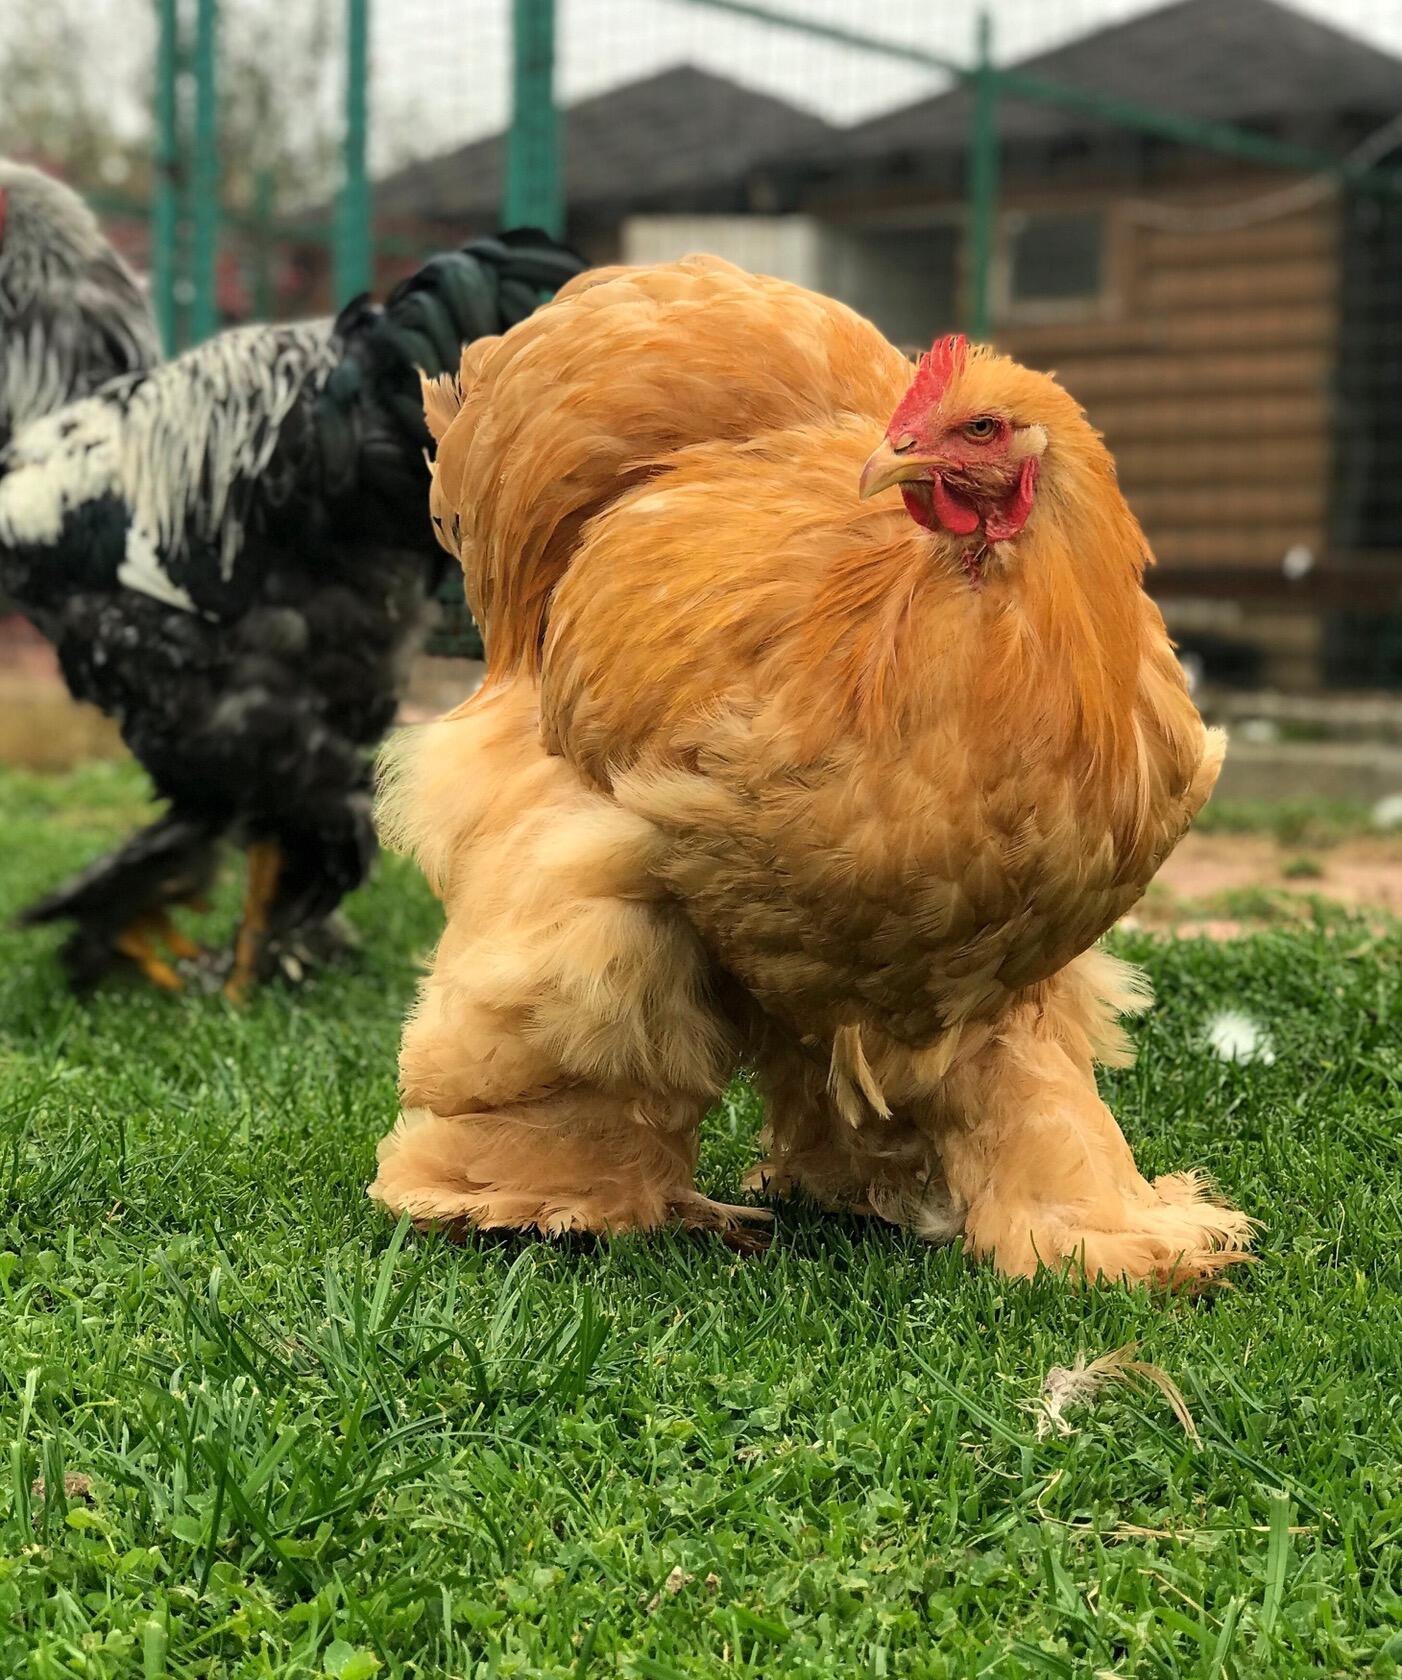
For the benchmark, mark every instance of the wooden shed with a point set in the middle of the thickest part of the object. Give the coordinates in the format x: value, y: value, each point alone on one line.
x: 1235, y: 331
x: 681, y: 138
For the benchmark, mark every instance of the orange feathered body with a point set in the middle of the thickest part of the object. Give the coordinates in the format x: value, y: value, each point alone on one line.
x: 888, y: 807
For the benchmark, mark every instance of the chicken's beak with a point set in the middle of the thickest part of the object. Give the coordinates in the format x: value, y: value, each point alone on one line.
x: 887, y: 466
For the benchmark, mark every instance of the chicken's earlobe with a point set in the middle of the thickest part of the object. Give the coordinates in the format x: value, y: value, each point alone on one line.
x: 1029, y: 440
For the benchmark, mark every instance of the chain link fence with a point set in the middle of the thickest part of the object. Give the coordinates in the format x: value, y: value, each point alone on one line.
x: 1192, y: 211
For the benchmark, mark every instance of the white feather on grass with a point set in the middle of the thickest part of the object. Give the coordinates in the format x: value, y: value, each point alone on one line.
x: 1387, y: 813
x: 1066, y: 1386
x: 1235, y: 1037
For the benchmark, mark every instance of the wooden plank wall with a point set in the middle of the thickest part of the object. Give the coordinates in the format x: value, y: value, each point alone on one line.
x: 1209, y: 366
x: 1209, y: 371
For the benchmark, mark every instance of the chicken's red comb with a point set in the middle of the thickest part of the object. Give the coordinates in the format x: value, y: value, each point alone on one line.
x: 941, y: 362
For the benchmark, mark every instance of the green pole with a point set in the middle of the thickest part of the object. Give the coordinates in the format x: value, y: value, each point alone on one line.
x: 263, y: 245
x: 163, y: 197
x: 983, y: 185
x: 532, y: 153
x: 204, y: 312
x: 353, y: 256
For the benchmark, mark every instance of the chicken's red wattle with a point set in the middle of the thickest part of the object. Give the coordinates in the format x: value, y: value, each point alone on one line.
x: 955, y: 515
x: 1005, y: 522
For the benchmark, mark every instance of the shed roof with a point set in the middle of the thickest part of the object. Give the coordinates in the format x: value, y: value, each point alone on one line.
x: 657, y: 141
x: 1235, y: 61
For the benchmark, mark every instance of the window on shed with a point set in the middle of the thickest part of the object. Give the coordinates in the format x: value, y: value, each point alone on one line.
x: 1054, y: 258
x: 903, y: 277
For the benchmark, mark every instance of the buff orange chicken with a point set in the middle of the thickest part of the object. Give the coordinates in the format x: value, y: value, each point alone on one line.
x: 827, y: 727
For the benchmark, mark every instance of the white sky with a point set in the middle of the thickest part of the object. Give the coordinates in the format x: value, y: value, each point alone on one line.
x: 441, y: 67
x: 605, y: 42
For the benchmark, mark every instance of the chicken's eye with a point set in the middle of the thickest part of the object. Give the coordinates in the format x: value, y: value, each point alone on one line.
x: 980, y: 430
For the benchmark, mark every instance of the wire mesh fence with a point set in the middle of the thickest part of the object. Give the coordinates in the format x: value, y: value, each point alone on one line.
x: 1192, y: 211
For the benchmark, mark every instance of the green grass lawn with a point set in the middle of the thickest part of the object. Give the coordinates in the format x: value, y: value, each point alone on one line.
x: 299, y: 1442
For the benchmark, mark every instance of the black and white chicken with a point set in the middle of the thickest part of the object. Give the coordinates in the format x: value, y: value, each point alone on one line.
x: 72, y: 314
x: 233, y: 556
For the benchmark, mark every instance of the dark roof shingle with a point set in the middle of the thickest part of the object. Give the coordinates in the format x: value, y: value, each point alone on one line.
x: 1235, y: 61
x: 651, y: 142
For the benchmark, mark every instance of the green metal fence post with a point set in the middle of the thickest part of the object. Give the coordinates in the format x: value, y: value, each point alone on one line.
x: 204, y: 260
x: 163, y: 197
x: 532, y: 153
x: 982, y: 185
x: 354, y: 256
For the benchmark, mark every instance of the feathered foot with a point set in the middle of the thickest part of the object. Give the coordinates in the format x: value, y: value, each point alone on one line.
x: 1050, y: 1182
x: 302, y: 952
x: 551, y: 1174
x: 1174, y: 1236
x: 565, y: 1044
x: 880, y: 1170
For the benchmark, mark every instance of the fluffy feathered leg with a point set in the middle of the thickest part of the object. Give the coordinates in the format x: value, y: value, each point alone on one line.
x: 1044, y: 1170
x: 565, y: 1044
x: 883, y: 1167
x: 585, y: 1162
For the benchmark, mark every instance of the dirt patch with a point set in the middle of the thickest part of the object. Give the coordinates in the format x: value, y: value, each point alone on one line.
x: 1223, y: 884
x: 438, y: 685
x: 1220, y: 885
x: 43, y: 728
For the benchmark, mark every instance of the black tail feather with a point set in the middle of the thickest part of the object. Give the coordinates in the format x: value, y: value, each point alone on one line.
x: 167, y: 862
x: 370, y: 414
x: 459, y: 296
